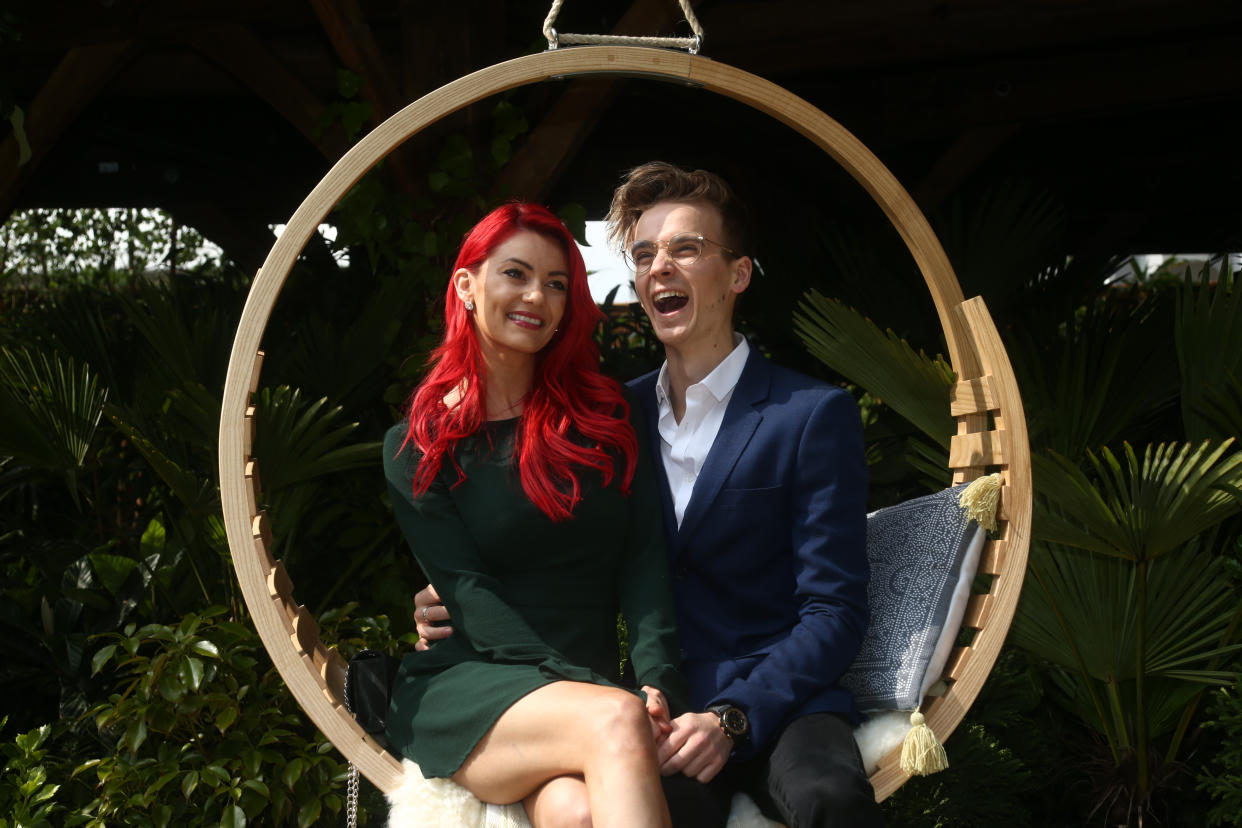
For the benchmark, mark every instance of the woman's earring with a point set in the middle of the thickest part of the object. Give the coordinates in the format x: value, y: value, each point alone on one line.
x: 469, y: 305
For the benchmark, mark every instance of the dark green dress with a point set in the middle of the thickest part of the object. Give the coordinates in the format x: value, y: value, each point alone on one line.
x: 532, y: 601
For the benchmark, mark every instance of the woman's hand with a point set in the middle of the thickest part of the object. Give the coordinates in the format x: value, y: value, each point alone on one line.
x: 657, y: 709
x: 428, y: 609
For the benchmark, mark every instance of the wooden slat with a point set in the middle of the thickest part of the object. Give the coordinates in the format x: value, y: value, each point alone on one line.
x: 993, y: 558
x: 333, y: 673
x: 306, y: 635
x: 248, y: 433
x: 256, y: 368
x: 987, y: 448
x: 977, y: 611
x: 261, y: 528
x: 975, y: 396
x: 958, y: 659
x: 253, y: 486
x: 279, y: 584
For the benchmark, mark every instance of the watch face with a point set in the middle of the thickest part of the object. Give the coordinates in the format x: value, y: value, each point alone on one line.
x: 734, y: 721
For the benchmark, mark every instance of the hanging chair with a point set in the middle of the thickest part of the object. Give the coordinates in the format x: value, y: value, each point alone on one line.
x: 991, y: 430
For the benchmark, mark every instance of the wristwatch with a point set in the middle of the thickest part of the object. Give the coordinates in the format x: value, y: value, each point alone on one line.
x: 732, y: 721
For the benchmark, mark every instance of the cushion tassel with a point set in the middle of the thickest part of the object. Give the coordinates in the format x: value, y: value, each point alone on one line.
x: 921, y: 754
x: 980, y: 499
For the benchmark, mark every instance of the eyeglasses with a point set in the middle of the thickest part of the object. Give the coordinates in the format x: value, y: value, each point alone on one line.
x: 683, y: 248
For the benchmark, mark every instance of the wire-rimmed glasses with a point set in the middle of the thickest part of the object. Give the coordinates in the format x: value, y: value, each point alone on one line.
x: 683, y: 248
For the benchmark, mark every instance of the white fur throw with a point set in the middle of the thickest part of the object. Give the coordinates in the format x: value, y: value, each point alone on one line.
x: 442, y: 803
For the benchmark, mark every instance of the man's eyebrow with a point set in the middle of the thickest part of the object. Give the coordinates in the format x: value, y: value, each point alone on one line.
x: 529, y: 266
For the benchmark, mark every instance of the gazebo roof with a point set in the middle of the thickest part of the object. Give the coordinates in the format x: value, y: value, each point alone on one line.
x: 220, y: 110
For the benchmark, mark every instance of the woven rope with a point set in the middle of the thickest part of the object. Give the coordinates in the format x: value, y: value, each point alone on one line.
x: 691, y: 44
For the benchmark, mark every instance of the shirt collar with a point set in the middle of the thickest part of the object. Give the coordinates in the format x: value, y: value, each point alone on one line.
x: 723, y: 378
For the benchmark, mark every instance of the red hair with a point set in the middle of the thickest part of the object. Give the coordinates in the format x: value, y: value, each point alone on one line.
x: 574, y: 417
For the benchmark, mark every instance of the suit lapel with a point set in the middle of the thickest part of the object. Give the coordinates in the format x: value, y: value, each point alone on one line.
x: 740, y: 421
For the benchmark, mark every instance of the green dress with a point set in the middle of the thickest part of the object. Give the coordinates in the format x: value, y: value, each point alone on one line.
x: 532, y: 601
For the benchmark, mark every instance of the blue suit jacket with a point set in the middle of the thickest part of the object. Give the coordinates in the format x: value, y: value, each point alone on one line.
x: 769, y: 565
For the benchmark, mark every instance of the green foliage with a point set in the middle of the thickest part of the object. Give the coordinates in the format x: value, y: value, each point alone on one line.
x: 27, y: 798
x: 628, y: 346
x: 1104, y: 373
x: 1222, y: 778
x: 1001, y: 754
x: 55, y: 248
x: 1208, y: 334
x: 197, y: 711
x: 1137, y: 511
x: 909, y: 382
x: 49, y: 410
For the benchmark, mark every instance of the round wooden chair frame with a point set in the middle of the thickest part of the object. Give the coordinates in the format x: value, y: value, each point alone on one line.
x: 991, y: 429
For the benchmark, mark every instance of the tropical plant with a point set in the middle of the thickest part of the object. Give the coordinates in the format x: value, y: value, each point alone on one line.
x: 27, y: 798
x: 1208, y: 334
x: 1222, y: 779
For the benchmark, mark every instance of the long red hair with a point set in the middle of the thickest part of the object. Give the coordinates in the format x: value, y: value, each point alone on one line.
x: 573, y: 418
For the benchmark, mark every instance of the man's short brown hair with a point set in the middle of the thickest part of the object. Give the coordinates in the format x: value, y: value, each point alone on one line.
x: 658, y: 181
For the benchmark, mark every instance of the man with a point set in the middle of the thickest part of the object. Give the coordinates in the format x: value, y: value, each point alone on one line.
x: 765, y: 488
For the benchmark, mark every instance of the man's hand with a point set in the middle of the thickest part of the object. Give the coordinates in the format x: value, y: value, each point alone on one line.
x: 697, y: 747
x: 427, y: 610
x: 657, y: 710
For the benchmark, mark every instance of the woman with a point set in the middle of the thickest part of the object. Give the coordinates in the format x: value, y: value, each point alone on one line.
x: 520, y: 484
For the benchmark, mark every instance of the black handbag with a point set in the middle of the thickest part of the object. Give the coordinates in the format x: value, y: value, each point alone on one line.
x: 368, y: 686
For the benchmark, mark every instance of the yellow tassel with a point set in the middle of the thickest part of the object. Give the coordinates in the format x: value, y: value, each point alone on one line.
x: 921, y: 754
x: 980, y: 499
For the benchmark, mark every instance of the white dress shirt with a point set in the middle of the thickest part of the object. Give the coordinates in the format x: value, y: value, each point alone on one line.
x: 684, y: 446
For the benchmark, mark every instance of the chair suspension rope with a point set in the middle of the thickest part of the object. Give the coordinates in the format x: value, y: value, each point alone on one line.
x: 691, y: 44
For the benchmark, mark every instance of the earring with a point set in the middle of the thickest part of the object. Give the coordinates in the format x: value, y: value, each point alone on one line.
x: 469, y: 305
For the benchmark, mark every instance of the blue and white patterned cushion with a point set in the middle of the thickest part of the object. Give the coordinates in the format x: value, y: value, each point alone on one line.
x: 923, y: 555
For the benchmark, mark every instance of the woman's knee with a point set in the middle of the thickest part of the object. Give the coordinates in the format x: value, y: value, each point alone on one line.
x: 620, y: 723
x: 561, y: 803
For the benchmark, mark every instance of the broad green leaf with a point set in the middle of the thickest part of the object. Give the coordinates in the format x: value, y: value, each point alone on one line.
x: 292, y: 772
x: 188, y: 783
x: 233, y: 817
x: 205, y: 648
x: 112, y: 570
x: 225, y: 718
x: 101, y: 658
x: 191, y: 672
x: 308, y: 814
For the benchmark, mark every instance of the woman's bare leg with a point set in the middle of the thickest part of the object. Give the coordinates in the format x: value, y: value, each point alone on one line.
x: 560, y: 803
x: 567, y: 729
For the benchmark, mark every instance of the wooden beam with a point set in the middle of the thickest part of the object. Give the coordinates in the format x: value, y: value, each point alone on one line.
x: 74, y: 83
x: 351, y: 37
x: 242, y: 54
x: 965, y: 155
x: 543, y: 158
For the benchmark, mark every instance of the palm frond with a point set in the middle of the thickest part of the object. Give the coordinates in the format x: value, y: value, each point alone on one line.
x: 911, y: 383
x: 1100, y: 375
x: 49, y: 410
x: 1079, y: 611
x: 1208, y: 336
x: 1137, y: 511
x: 1220, y: 407
x: 297, y: 440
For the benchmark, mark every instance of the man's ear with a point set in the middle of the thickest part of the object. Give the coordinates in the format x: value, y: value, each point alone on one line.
x: 463, y: 282
x: 741, y: 274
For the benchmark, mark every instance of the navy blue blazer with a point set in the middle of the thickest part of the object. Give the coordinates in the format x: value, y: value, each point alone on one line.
x: 770, y: 568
